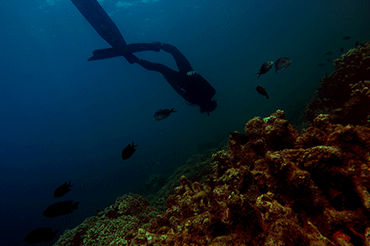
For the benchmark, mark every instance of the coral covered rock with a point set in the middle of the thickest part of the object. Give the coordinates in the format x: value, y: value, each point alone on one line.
x: 272, y: 186
x: 111, y: 226
x: 344, y: 94
x: 313, y: 193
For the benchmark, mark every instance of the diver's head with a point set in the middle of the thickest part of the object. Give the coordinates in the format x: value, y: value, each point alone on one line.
x: 208, y: 106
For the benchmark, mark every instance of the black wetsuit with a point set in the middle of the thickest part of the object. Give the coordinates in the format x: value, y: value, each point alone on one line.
x: 189, y: 84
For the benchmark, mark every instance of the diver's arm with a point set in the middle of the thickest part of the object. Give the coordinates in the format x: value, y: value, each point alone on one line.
x: 158, y: 67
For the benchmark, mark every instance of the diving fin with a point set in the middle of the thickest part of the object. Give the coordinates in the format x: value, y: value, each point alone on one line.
x: 100, y: 21
x: 112, y: 52
x: 105, y: 27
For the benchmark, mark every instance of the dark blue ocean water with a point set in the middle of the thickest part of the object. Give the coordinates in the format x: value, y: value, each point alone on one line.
x: 63, y: 118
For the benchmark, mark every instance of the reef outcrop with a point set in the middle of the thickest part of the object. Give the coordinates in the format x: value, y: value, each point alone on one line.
x: 275, y: 186
x: 272, y: 186
x: 344, y: 94
x: 113, y: 225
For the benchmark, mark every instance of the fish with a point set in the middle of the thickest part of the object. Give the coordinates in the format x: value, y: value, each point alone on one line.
x: 40, y: 235
x: 63, y: 189
x: 59, y: 209
x: 266, y: 66
x: 341, y: 50
x: 321, y: 65
x: 328, y: 60
x: 329, y: 53
x: 346, y: 37
x: 128, y: 151
x: 282, y: 63
x: 262, y: 91
x: 162, y: 114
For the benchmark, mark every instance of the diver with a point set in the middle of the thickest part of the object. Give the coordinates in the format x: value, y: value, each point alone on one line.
x: 186, y: 82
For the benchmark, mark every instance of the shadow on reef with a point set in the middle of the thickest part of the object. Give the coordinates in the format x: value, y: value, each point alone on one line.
x: 345, y: 94
x: 272, y: 186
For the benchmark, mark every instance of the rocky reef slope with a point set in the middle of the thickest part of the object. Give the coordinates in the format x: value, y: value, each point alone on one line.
x: 272, y: 186
x: 345, y: 94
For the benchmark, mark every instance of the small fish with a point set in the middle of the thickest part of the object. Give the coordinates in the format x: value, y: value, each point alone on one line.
x: 321, y: 65
x: 128, y: 151
x: 262, y: 91
x: 282, y: 63
x: 63, y: 189
x: 329, y: 53
x: 40, y: 235
x: 328, y: 60
x: 59, y: 209
x: 341, y: 50
x: 346, y: 37
x: 162, y: 114
x: 266, y: 66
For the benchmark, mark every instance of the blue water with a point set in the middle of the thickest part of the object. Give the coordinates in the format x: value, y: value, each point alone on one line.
x: 65, y: 119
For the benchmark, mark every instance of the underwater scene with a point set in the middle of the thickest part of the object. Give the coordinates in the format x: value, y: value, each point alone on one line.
x: 158, y: 122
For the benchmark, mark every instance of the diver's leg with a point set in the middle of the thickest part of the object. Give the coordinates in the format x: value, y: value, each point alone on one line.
x: 155, y: 46
x: 170, y: 75
x: 181, y: 61
x: 151, y: 66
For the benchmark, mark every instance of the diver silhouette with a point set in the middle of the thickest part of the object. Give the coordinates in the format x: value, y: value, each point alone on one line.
x: 186, y: 82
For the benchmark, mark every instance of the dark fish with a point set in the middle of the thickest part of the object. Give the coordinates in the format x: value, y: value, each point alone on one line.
x: 329, y: 53
x: 328, y: 60
x: 357, y: 43
x: 63, y: 189
x: 341, y: 50
x: 262, y: 91
x: 282, y: 63
x: 40, y: 235
x: 128, y: 151
x: 162, y: 114
x: 60, y: 208
x: 346, y: 37
x: 266, y: 66
x: 321, y: 65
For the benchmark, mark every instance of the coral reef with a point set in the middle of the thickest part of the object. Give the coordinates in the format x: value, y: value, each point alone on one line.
x: 111, y: 226
x: 275, y: 186
x: 344, y: 94
x: 196, y: 168
x: 272, y: 186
